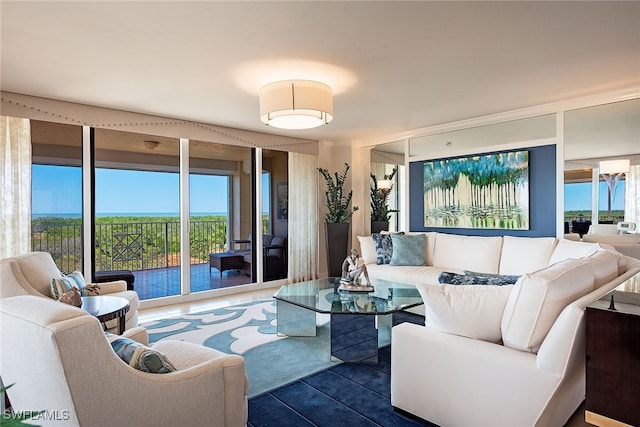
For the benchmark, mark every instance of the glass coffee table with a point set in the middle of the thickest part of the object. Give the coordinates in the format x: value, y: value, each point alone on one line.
x: 360, y: 321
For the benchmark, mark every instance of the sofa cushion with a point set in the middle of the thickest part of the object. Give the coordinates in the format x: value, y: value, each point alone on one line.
x: 568, y: 249
x: 473, y: 278
x: 538, y: 298
x: 411, y: 275
x: 367, y: 249
x: 467, y: 310
x: 522, y: 255
x: 409, y: 249
x: 140, y: 356
x: 472, y: 253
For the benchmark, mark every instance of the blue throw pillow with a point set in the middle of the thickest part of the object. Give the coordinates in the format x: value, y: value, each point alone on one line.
x: 473, y: 278
x: 139, y: 356
x: 409, y: 249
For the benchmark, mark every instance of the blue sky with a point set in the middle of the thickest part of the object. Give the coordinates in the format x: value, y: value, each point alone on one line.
x: 577, y: 196
x: 58, y: 189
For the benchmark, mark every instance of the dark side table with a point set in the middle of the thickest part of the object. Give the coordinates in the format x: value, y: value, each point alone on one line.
x: 613, y: 357
x: 106, y: 308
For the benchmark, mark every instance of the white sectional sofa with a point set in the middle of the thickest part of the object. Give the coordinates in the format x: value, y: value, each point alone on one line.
x: 489, y: 355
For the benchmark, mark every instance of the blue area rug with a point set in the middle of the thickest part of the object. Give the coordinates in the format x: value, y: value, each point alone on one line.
x: 349, y: 394
x: 250, y: 331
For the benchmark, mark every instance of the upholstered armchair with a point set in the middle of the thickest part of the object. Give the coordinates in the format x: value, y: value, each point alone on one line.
x: 31, y: 274
x: 59, y: 360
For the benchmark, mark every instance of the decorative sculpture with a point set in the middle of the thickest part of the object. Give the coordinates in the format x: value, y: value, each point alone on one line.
x: 352, y: 269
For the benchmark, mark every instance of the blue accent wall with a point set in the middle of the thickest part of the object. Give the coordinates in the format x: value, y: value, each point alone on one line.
x: 542, y: 198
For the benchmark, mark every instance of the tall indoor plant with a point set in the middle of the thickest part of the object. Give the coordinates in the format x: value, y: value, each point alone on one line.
x: 380, y: 212
x: 337, y: 218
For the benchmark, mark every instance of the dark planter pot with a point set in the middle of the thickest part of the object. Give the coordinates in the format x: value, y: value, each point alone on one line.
x: 378, y: 226
x: 337, y: 246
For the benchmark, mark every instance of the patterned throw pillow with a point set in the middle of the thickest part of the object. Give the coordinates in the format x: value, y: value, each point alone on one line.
x: 473, y: 278
x: 408, y: 249
x: 384, y: 247
x: 66, y: 283
x: 139, y: 356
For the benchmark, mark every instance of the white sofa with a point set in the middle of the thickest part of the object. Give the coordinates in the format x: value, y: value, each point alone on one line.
x: 498, y: 355
x: 31, y: 274
x: 58, y: 359
x: 627, y: 244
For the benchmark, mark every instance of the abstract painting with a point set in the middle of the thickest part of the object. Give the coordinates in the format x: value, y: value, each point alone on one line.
x: 482, y: 191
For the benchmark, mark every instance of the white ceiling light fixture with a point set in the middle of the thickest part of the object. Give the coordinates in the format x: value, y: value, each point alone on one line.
x: 612, y: 171
x: 614, y: 166
x: 296, y: 104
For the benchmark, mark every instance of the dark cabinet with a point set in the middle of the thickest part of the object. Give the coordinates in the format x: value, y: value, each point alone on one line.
x: 613, y: 363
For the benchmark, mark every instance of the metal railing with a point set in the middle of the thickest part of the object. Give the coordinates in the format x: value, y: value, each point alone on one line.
x: 132, y: 245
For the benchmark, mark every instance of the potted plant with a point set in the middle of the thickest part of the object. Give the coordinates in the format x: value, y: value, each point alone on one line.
x: 380, y: 212
x: 337, y: 218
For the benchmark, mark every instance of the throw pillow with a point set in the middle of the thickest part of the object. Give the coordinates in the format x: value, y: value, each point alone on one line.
x: 469, y: 311
x: 538, y: 299
x: 384, y: 247
x: 66, y: 283
x: 473, y: 278
x: 408, y: 249
x: 568, y: 249
x: 139, y: 356
x: 367, y: 249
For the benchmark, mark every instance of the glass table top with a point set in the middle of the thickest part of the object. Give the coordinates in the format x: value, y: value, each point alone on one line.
x: 323, y: 296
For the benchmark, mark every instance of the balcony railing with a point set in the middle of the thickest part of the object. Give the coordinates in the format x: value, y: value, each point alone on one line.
x: 132, y: 245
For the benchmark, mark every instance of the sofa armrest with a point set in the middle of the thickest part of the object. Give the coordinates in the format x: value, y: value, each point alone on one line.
x: 111, y: 287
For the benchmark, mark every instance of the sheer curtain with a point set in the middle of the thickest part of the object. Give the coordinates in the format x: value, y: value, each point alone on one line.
x: 632, y: 195
x: 303, y: 217
x: 15, y: 198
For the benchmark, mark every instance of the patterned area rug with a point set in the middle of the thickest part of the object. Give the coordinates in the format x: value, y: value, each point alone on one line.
x: 250, y: 331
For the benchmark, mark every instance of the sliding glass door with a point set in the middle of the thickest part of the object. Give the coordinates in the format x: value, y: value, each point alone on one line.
x: 136, y: 214
x: 56, y: 201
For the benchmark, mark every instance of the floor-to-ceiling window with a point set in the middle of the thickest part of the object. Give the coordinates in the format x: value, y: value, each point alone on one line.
x: 137, y: 223
x: 56, y: 198
x: 220, y: 215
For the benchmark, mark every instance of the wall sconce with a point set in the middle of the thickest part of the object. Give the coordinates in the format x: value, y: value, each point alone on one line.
x: 611, y: 171
x: 296, y: 104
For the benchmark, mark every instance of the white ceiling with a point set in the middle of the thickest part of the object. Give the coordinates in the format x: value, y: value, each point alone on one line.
x: 394, y: 66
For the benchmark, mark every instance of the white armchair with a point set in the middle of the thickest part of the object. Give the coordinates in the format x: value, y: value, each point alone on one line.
x: 60, y: 361
x: 31, y: 274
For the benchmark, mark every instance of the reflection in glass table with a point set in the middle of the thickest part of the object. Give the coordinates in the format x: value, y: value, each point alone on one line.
x: 360, y: 322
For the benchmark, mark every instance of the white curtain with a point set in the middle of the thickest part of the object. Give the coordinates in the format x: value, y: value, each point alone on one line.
x: 15, y: 176
x: 303, y: 217
x: 632, y: 195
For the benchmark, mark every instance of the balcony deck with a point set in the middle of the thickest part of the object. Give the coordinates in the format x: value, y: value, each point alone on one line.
x: 162, y: 282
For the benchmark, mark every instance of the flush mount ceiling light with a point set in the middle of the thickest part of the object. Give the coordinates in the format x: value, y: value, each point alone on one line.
x: 296, y: 104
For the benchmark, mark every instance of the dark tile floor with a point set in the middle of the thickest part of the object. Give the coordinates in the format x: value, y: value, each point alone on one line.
x: 162, y: 282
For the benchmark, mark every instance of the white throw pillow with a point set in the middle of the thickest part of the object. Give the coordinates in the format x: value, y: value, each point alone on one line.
x: 537, y: 300
x: 605, y: 266
x: 568, y: 249
x: 367, y: 249
x: 473, y: 253
x: 473, y: 311
x: 522, y: 255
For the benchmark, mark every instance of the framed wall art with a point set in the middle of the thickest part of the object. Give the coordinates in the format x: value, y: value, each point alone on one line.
x: 489, y: 191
